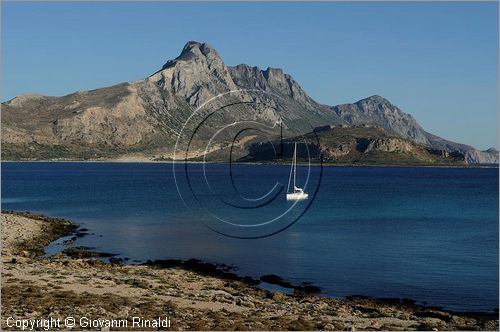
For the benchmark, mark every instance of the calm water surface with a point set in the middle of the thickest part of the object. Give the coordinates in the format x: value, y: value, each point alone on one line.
x: 425, y: 233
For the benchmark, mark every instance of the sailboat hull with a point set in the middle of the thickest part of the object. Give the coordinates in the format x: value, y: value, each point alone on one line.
x: 296, y: 196
x: 298, y: 193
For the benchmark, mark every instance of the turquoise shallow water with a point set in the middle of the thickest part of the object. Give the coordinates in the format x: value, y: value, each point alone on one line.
x: 425, y: 233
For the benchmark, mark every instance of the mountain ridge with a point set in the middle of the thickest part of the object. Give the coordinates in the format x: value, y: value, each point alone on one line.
x: 145, y: 116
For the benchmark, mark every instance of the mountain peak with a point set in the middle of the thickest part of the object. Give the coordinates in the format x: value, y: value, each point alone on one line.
x: 376, y: 99
x: 194, y: 47
x: 376, y: 110
x: 20, y: 100
x: 194, y: 50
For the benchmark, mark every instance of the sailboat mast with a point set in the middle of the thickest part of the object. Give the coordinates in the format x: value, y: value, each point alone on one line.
x: 294, y: 165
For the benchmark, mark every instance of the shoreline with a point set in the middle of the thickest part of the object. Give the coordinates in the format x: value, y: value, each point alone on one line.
x: 198, y: 295
x: 146, y: 161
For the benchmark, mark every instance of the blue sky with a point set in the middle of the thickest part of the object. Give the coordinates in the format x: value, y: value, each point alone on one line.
x: 437, y: 61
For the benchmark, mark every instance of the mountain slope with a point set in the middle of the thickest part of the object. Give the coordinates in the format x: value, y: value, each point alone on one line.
x: 144, y: 118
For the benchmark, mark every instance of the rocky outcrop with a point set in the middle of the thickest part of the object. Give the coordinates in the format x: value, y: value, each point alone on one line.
x: 390, y: 144
x: 489, y: 156
x: 144, y: 118
x: 364, y: 145
x: 272, y: 80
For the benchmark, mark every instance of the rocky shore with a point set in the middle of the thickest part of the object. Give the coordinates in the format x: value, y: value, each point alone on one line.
x: 192, y: 294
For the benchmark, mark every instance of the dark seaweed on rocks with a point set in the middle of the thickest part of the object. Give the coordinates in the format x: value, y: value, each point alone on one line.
x: 276, y: 280
x: 390, y: 300
x: 356, y: 297
x: 209, y: 269
x: 307, y: 289
x: 304, y: 289
x: 85, y: 252
x: 407, y: 301
x: 116, y: 260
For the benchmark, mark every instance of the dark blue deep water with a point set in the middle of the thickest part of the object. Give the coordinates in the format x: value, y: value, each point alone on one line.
x: 425, y: 233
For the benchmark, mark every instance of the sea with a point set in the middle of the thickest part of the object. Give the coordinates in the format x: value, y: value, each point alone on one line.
x: 429, y: 234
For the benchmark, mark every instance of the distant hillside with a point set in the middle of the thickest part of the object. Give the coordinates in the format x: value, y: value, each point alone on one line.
x: 143, y: 119
x: 359, y: 145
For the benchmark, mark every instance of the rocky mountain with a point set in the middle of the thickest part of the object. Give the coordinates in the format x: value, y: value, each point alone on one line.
x: 196, y: 92
x: 379, y: 111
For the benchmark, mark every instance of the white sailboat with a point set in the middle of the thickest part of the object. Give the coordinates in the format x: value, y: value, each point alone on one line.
x: 297, y: 193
